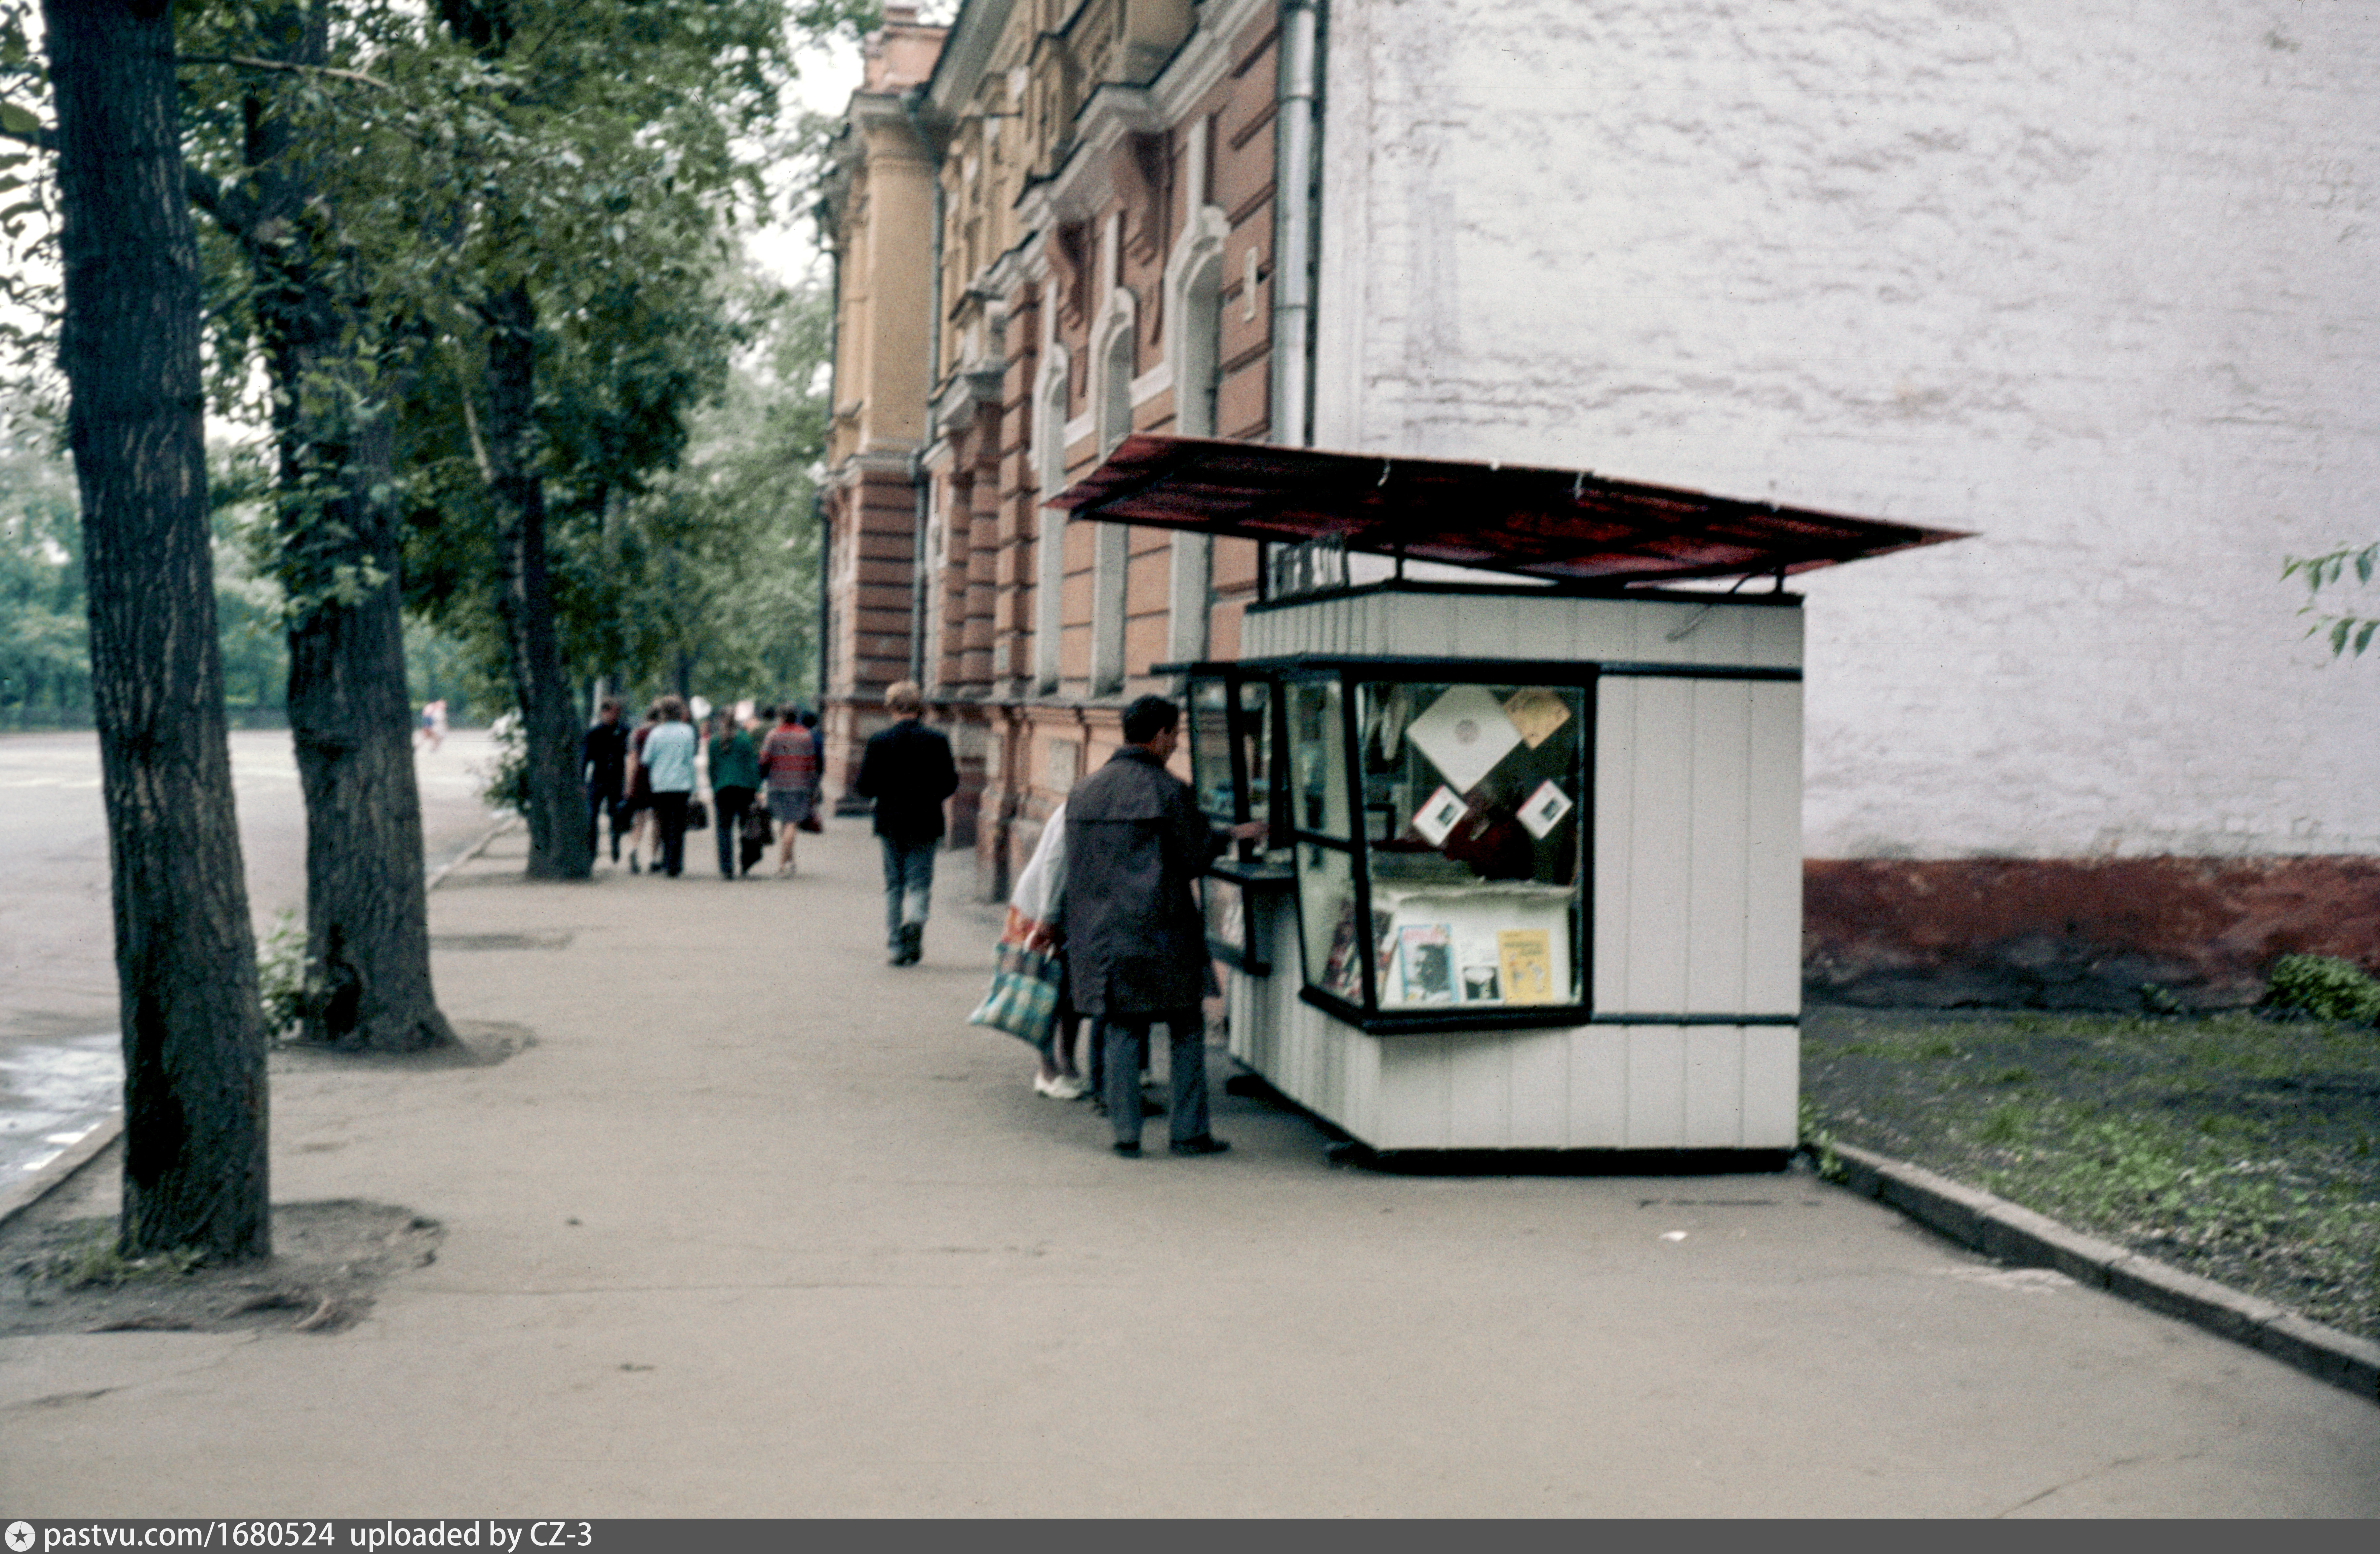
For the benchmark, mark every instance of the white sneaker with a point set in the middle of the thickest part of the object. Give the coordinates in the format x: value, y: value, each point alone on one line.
x: 1064, y: 1087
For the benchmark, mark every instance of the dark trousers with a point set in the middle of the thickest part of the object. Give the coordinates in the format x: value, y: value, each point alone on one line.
x: 669, y: 813
x: 728, y: 805
x: 603, y: 801
x: 1126, y: 1037
x: 908, y: 884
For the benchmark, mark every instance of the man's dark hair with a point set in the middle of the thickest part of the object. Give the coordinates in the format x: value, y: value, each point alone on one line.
x: 1148, y: 717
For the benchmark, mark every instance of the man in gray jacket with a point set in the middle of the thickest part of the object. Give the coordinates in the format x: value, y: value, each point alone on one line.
x: 1135, y: 941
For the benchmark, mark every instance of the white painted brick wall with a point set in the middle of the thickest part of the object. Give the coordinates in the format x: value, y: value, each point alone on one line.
x: 2095, y: 281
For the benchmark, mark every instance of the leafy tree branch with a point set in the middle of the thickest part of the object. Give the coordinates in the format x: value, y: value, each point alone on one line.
x: 2349, y: 633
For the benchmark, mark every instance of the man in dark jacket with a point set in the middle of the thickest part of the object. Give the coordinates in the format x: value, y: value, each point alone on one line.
x: 603, y: 764
x: 908, y: 771
x: 1136, y: 942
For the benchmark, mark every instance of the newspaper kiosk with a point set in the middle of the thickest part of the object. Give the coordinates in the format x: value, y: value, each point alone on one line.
x: 1533, y: 872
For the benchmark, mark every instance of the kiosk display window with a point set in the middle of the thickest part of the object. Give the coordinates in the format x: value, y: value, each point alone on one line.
x: 1234, y: 772
x: 1439, y: 848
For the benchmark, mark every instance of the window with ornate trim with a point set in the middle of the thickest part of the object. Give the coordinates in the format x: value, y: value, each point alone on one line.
x: 1112, y: 554
x: 1195, y: 344
x: 1050, y: 544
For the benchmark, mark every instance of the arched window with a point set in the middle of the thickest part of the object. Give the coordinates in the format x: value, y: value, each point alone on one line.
x: 1050, y: 544
x: 1199, y: 372
x: 1112, y: 555
x: 1195, y: 306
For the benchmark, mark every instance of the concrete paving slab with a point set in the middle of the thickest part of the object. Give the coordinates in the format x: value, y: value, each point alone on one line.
x: 759, y: 1226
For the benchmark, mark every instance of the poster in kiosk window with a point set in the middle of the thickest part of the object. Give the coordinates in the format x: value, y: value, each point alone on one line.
x: 1465, y: 732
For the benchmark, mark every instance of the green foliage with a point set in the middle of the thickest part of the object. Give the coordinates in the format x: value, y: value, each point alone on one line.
x: 281, y: 976
x: 1819, y: 1140
x: 509, y: 771
x: 2347, y: 632
x: 94, y: 1260
x: 45, y: 651
x: 2325, y: 988
x: 704, y: 567
x: 31, y: 296
x: 439, y: 668
x: 44, y: 644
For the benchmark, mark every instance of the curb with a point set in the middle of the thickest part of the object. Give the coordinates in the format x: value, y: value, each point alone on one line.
x: 473, y: 851
x: 2017, y: 1236
x: 64, y: 1163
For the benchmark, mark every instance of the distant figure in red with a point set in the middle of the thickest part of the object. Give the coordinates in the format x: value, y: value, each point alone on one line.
x: 789, y: 761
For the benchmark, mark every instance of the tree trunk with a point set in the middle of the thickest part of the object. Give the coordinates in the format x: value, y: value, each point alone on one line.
x: 558, y: 845
x: 367, y: 907
x: 194, y: 1087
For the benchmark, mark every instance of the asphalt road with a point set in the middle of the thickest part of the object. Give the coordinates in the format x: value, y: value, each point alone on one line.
x: 59, y: 1067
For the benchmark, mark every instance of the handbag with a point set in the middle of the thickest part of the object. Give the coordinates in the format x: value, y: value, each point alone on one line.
x: 810, y: 822
x: 1023, y: 996
x: 697, y: 815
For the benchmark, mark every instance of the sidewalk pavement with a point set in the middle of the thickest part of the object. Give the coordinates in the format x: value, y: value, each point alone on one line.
x: 758, y: 1226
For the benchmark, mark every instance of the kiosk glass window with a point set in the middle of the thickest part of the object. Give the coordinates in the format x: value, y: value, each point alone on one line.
x: 1256, y: 741
x: 1327, y: 907
x: 1211, y: 749
x: 1231, y: 748
x: 1318, y: 757
x: 1225, y: 903
x: 1461, y: 890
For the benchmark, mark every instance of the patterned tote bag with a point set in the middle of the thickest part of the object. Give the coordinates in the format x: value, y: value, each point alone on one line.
x: 1023, y: 996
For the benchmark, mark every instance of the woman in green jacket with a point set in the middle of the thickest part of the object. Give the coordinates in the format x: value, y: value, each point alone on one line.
x: 735, y: 778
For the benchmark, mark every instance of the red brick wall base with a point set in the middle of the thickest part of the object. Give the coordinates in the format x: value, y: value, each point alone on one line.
x: 2075, y: 934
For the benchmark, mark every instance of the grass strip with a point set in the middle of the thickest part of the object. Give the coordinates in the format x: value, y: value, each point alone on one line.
x: 2238, y: 1149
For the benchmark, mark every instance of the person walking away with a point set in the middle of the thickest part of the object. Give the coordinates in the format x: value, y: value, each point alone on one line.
x: 789, y: 758
x: 603, y: 766
x: 756, y: 834
x: 735, y: 778
x: 640, y: 804
x: 669, y: 760
x: 907, y: 769
x: 1135, y: 941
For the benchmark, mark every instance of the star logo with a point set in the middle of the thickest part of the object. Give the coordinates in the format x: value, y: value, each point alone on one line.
x: 21, y: 1537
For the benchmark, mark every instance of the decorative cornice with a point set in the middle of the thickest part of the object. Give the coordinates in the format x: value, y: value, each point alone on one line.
x: 963, y: 393
x: 1087, y: 183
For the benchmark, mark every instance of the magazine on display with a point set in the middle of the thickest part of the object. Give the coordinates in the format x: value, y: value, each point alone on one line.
x: 1524, y: 956
x: 1428, y: 957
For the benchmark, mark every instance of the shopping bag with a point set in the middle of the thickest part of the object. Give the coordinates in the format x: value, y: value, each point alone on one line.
x: 697, y: 815
x: 1023, y: 996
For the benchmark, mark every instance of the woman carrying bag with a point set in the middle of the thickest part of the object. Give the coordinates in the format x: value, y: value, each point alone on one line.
x: 1028, y: 992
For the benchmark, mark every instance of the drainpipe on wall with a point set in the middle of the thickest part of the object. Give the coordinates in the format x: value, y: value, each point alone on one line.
x: 917, y: 568
x: 826, y: 596
x: 820, y: 214
x: 1297, y: 189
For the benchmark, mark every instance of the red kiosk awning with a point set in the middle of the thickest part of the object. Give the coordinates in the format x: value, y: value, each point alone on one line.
x: 1569, y: 526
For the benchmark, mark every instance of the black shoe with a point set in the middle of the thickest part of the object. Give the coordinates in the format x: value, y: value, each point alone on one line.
x: 1205, y: 1144
x: 1129, y: 1151
x: 634, y: 866
x: 913, y: 943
